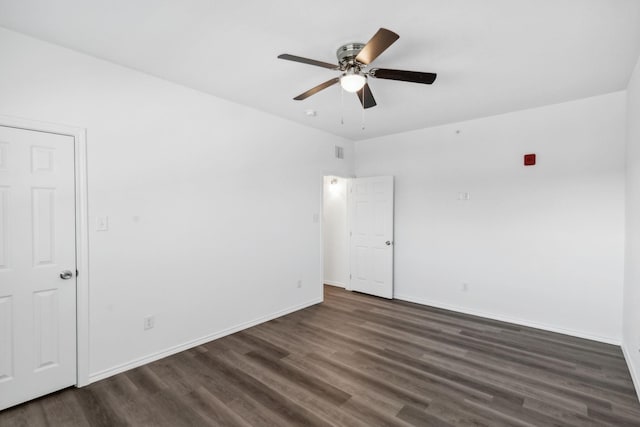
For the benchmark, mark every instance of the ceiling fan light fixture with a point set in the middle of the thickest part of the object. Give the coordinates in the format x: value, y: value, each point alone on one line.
x: 352, y: 82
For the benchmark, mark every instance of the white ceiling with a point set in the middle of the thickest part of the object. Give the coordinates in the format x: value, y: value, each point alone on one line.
x: 491, y: 56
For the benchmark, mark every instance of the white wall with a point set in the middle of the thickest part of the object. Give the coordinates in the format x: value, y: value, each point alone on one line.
x: 336, y: 262
x: 210, y: 204
x: 631, y: 321
x: 539, y: 245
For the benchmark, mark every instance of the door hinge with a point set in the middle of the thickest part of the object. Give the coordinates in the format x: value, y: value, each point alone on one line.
x: 76, y: 273
x: 350, y: 276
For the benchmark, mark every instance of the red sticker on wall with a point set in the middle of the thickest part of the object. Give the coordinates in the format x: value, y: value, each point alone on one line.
x: 529, y: 159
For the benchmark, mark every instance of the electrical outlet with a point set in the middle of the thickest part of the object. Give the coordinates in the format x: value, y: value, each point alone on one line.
x: 149, y: 322
x: 299, y: 283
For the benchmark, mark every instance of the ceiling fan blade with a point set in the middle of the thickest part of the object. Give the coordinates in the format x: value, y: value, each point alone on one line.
x: 317, y: 89
x: 366, y: 97
x: 405, y: 76
x: 378, y: 44
x: 308, y: 61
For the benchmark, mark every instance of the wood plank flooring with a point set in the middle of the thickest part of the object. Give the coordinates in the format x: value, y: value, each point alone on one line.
x: 357, y: 360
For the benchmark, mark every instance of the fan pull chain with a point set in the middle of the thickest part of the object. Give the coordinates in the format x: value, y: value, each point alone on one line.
x: 341, y: 105
x: 363, y: 104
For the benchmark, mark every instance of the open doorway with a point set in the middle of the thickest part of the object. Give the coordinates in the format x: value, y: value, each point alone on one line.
x: 357, y: 234
x: 335, y: 231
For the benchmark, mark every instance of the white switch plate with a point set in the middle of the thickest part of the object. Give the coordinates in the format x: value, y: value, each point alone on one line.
x: 102, y: 223
x: 316, y: 218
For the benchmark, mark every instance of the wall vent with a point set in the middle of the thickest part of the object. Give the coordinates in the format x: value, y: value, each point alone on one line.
x: 339, y: 152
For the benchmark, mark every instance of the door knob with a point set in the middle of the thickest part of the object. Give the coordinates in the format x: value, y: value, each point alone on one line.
x: 66, y: 274
x: 388, y: 243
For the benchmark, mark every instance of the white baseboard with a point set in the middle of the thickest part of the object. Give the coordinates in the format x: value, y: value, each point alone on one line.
x: 521, y: 322
x: 194, y: 343
x: 333, y: 283
x: 634, y: 375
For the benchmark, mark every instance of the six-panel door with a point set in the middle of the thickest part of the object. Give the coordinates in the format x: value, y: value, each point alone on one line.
x: 371, y: 248
x: 37, y: 243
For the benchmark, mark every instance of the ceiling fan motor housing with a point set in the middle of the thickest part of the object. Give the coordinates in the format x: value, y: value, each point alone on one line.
x: 347, y: 55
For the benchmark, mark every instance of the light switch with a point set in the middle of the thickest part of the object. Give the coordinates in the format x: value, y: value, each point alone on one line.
x: 316, y: 218
x: 102, y: 223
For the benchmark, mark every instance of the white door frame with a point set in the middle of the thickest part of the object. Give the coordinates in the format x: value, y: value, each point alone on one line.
x: 82, y: 232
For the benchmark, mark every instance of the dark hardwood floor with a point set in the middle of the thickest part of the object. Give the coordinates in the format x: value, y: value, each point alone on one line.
x: 357, y: 360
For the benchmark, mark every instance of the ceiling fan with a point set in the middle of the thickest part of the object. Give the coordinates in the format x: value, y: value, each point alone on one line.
x: 353, y: 60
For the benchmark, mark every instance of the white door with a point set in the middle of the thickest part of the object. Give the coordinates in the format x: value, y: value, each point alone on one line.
x: 371, y: 250
x: 37, y: 244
